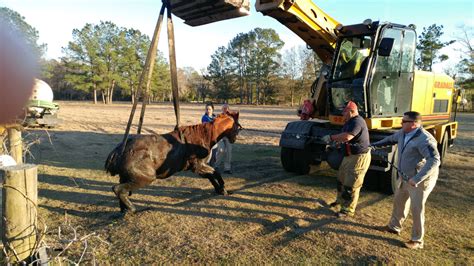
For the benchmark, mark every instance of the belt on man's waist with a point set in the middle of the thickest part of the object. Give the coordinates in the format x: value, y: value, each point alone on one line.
x: 348, y: 151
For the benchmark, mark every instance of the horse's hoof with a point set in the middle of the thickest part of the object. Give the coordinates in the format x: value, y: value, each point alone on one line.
x: 116, y: 216
x: 224, y: 192
x: 128, y: 211
x: 113, y: 190
x: 144, y: 209
x: 125, y: 210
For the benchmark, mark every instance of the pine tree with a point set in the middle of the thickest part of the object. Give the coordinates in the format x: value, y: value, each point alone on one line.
x: 429, y: 45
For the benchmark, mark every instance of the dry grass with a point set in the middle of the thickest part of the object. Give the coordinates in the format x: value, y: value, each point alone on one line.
x: 272, y: 217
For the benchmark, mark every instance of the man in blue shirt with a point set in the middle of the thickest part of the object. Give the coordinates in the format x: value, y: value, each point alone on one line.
x: 354, y: 139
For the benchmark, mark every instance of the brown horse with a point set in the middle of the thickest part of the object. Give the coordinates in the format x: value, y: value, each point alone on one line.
x: 150, y: 157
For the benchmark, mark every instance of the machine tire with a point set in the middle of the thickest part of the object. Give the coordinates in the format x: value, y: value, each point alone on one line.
x: 395, y: 181
x: 371, y: 180
x: 286, y: 156
x: 443, y: 148
x: 301, y: 161
x: 389, y: 181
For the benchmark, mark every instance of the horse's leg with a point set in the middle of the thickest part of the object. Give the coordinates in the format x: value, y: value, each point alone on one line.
x: 210, y: 173
x: 219, y: 179
x: 122, y: 191
x: 138, y: 176
x: 213, y: 182
x: 115, y: 189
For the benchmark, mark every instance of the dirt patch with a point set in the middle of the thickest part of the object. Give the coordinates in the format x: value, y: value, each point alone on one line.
x: 273, y: 216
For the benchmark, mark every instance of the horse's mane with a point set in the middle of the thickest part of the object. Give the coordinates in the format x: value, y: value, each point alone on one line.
x: 204, y: 129
x: 195, y: 129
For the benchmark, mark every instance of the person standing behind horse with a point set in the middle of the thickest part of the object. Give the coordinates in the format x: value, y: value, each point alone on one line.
x: 209, y: 117
x: 350, y: 177
x: 224, y: 148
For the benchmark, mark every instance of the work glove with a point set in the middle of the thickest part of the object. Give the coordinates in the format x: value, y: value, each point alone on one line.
x: 326, y: 139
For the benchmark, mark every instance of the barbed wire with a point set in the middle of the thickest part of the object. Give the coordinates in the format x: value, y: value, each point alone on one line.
x: 67, y: 237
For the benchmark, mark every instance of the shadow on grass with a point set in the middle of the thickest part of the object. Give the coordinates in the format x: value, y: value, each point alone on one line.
x: 89, y: 150
x: 187, y: 195
x: 254, y: 166
x: 107, y: 201
x: 193, y: 204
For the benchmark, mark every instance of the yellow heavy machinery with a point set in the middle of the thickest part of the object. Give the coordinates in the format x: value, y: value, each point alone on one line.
x: 370, y: 63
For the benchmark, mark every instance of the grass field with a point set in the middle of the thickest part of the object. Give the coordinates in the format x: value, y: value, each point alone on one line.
x: 273, y: 217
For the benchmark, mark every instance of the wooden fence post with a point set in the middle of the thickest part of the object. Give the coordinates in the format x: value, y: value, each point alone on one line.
x: 2, y: 139
x: 16, y: 144
x: 19, y: 211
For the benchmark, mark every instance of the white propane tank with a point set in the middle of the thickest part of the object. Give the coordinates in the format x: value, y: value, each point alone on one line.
x: 6, y: 160
x: 43, y: 92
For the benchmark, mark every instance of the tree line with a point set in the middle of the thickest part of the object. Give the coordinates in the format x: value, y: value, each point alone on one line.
x: 103, y: 62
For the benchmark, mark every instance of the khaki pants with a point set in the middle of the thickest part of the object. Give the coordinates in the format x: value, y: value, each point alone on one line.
x: 350, y: 179
x: 211, y: 158
x: 412, y: 198
x: 224, y: 153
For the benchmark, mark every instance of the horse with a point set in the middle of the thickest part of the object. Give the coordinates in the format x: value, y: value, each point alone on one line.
x: 149, y: 157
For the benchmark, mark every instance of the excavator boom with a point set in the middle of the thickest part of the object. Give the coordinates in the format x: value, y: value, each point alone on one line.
x: 308, y: 21
x: 303, y: 17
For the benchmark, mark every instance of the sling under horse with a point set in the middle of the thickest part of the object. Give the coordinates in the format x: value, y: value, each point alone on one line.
x: 149, y: 157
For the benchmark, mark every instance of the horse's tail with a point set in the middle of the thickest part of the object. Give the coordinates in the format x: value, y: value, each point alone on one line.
x: 114, y: 160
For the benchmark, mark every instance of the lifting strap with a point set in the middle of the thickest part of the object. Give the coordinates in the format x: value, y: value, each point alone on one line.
x: 148, y: 71
x: 173, y: 67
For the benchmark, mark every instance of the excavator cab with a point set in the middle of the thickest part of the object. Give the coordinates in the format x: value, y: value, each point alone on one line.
x: 375, y: 69
x: 349, y: 72
x: 196, y: 13
x: 352, y: 53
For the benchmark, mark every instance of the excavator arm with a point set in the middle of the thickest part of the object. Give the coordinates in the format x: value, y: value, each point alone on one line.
x: 317, y: 29
x: 303, y: 17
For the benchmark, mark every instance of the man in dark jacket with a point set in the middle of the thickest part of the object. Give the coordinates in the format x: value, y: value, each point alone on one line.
x: 350, y: 177
x: 418, y: 166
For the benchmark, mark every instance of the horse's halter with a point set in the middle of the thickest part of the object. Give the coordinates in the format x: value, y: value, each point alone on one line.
x: 236, y: 127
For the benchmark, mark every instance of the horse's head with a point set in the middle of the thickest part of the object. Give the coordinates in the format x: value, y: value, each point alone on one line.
x: 227, y: 125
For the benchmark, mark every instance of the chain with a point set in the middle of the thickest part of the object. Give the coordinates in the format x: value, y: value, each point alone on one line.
x: 333, y: 144
x: 374, y: 151
x: 262, y: 131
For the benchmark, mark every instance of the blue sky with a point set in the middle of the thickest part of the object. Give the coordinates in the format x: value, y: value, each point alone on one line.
x: 55, y: 20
